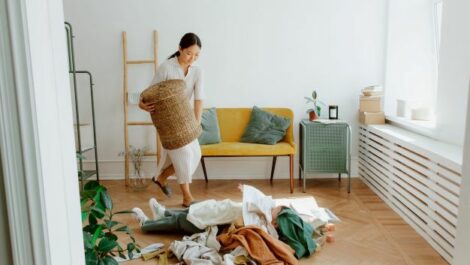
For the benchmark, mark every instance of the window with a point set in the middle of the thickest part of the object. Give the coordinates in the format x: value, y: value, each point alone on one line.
x: 412, y: 55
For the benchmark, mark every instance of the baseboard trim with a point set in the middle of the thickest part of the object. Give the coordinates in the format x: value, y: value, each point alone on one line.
x: 221, y: 168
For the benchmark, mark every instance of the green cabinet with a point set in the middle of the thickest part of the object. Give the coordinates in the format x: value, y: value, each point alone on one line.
x: 325, y: 147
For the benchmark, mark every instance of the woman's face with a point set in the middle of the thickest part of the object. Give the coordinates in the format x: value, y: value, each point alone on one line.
x: 189, y: 55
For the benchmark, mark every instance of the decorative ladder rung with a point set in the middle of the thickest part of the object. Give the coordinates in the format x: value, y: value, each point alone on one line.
x: 139, y: 123
x: 141, y: 62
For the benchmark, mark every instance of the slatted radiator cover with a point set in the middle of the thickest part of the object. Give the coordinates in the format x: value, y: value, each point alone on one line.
x: 422, y: 186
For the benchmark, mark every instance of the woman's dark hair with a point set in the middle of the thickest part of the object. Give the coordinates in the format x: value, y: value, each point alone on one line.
x: 188, y: 40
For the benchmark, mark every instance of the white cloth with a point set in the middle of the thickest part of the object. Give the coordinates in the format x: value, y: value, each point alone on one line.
x: 207, y: 238
x: 257, y: 210
x: 212, y: 212
x: 307, y: 208
x: 193, y: 251
x: 171, y: 69
x: 186, y: 159
x: 229, y: 259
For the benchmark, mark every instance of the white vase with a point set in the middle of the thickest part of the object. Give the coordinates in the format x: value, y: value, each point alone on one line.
x: 403, y: 109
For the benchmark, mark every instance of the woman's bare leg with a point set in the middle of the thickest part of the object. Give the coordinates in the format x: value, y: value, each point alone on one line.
x: 167, y: 172
x: 187, y: 196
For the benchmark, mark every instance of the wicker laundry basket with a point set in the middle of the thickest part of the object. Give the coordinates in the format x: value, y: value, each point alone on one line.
x: 173, y: 116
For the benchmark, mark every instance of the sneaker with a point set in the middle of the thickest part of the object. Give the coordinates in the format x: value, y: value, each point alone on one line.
x: 139, y: 215
x: 157, y: 209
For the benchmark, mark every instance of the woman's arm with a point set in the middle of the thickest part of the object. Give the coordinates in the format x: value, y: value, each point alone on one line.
x: 146, y: 107
x: 198, y: 110
x: 160, y: 75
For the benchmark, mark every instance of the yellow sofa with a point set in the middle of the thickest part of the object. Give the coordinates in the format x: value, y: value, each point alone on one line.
x: 232, y: 124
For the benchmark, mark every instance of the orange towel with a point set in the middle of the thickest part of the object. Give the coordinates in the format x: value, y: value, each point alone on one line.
x: 261, y: 246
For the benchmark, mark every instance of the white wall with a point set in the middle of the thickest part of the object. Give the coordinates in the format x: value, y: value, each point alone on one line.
x: 411, y: 65
x: 265, y: 53
x: 454, y: 70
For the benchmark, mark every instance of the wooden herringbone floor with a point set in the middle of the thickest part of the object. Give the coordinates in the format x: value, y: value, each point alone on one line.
x: 370, y: 232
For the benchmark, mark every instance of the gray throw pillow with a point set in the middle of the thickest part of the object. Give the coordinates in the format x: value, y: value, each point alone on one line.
x: 265, y: 127
x: 210, y: 127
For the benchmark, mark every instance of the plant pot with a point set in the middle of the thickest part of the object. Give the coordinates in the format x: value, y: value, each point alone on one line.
x: 312, y: 115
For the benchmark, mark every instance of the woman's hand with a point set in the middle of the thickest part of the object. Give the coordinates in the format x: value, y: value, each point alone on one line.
x: 147, y: 107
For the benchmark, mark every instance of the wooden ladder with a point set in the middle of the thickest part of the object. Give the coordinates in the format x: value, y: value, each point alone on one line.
x: 127, y: 123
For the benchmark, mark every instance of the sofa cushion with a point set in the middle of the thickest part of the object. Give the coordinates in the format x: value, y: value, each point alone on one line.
x: 247, y: 149
x: 210, y: 127
x: 265, y: 127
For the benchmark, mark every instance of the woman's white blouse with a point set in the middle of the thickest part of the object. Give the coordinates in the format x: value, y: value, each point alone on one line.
x: 170, y: 69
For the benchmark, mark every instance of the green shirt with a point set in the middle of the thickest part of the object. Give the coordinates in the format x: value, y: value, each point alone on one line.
x: 296, y: 233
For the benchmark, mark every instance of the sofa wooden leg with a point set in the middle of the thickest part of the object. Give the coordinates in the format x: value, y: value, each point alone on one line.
x: 273, y: 167
x: 291, y: 171
x: 204, y: 168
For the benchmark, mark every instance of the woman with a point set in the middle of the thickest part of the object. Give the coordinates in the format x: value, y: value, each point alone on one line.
x: 181, y: 162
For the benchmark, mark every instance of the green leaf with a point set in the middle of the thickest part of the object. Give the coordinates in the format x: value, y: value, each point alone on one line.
x: 86, y: 195
x: 111, y: 236
x: 122, y: 256
x: 91, y: 258
x: 110, y: 224
x: 90, y: 228
x: 97, y: 234
x: 97, y: 196
x: 87, y: 241
x: 308, y: 99
x: 124, y: 212
x: 106, y: 245
x: 91, y: 185
x: 314, y: 94
x: 97, y: 212
x: 123, y: 229
x: 106, y: 200
x: 110, y: 261
x: 92, y: 219
x: 130, y: 247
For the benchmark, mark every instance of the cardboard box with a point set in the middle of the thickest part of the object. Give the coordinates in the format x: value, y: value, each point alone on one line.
x: 372, y: 117
x: 370, y: 104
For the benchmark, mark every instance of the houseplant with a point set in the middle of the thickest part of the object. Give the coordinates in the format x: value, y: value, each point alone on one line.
x: 100, y: 231
x: 314, y: 113
x: 138, y: 179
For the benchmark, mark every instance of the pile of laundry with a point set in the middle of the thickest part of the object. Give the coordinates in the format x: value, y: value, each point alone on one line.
x: 259, y: 230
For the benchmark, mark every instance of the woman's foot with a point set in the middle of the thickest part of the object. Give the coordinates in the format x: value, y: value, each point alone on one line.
x: 139, y: 215
x: 187, y: 202
x: 158, y: 210
x: 164, y: 187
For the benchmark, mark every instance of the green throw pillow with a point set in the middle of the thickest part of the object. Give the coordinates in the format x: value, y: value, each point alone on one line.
x: 265, y: 127
x: 210, y: 127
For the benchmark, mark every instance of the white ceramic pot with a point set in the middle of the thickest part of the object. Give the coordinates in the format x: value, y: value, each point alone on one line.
x: 403, y: 110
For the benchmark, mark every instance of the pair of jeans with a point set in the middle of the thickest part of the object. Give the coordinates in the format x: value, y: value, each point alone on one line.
x: 174, y: 221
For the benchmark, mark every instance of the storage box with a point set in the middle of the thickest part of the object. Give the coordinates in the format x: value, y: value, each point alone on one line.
x: 373, y: 91
x: 370, y: 104
x: 372, y: 117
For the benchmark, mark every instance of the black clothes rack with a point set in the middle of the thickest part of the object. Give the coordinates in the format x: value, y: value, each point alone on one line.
x: 83, y: 175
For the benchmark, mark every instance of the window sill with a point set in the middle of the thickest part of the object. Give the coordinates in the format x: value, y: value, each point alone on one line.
x: 425, y: 128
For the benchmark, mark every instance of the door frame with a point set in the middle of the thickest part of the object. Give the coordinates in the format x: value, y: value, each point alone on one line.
x: 36, y: 135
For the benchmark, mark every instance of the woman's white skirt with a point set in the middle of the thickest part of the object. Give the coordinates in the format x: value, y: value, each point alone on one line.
x: 185, y: 160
